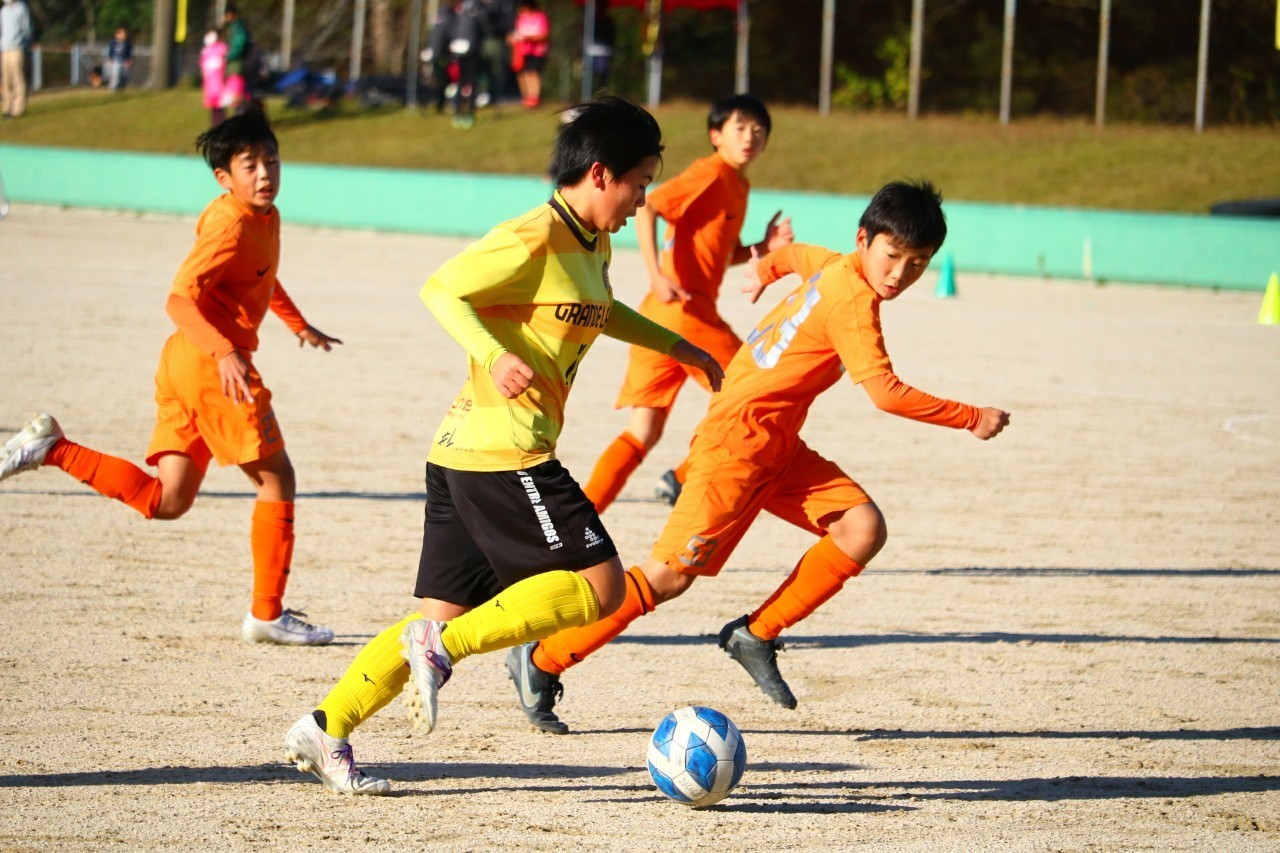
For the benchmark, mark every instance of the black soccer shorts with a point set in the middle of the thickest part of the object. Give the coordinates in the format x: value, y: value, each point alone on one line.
x: 485, y: 530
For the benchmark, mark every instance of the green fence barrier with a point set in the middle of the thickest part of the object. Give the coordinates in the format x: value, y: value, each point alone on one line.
x: 1227, y: 252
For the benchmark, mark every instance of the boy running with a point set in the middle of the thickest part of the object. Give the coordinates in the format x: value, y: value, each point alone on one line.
x: 211, y: 400
x: 704, y: 207
x: 512, y: 551
x: 747, y: 456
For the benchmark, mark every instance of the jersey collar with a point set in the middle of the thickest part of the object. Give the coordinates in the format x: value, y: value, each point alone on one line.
x: 587, y: 239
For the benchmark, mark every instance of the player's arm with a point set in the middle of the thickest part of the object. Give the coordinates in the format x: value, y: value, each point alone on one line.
x: 777, y: 233
x: 233, y: 366
x: 630, y: 327
x: 890, y: 394
x: 486, y: 272
x: 204, y: 267
x: 764, y: 270
x: 282, y: 306
x: 662, y: 287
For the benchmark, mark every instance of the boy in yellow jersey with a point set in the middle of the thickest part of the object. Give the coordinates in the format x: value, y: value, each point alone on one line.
x: 704, y: 207
x: 211, y: 401
x: 512, y: 550
x: 747, y: 455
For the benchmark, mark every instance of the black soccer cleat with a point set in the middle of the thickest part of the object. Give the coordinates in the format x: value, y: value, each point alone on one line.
x: 759, y: 658
x: 536, y: 691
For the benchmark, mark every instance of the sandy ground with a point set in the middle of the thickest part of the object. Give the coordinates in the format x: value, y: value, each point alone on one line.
x: 1069, y: 643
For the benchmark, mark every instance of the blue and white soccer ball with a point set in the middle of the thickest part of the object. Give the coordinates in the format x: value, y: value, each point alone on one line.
x: 696, y: 756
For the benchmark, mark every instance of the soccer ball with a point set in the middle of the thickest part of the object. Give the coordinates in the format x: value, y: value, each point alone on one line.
x: 696, y: 756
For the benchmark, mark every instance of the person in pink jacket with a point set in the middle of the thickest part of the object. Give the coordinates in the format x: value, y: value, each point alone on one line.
x: 530, y: 43
x: 213, y: 74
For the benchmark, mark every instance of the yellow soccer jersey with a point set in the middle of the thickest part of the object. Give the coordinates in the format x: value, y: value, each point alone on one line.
x: 536, y: 286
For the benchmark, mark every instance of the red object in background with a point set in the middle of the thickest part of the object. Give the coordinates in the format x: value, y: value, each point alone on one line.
x: 699, y: 5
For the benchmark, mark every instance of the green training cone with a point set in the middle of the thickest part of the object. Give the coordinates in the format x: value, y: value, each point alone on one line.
x: 946, y: 278
x: 1270, y: 313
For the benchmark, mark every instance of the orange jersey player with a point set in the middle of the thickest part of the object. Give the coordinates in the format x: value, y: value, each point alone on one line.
x: 704, y: 207
x: 211, y: 400
x: 747, y: 455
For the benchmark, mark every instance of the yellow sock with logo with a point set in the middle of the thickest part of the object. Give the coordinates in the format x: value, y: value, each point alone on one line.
x: 534, y: 608
x: 375, y: 677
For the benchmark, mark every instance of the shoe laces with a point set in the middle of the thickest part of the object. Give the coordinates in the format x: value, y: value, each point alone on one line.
x: 346, y: 757
x: 293, y: 616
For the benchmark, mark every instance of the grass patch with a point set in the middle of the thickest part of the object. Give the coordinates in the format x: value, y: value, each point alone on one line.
x: 971, y: 158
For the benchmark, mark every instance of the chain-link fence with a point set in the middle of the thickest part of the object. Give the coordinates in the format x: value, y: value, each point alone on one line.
x: 84, y: 65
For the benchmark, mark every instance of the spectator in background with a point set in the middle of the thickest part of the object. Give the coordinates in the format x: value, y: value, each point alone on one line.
x: 119, y: 60
x: 15, y: 38
x: 530, y: 43
x: 459, y: 32
x: 238, y: 47
x: 213, y: 76
x: 494, y: 60
x: 604, y: 37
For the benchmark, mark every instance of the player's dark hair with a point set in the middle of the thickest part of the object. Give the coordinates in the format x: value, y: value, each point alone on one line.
x: 610, y: 130
x: 747, y: 106
x: 248, y: 131
x: 910, y: 212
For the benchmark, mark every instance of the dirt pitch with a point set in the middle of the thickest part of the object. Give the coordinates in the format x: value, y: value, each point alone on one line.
x: 1070, y: 642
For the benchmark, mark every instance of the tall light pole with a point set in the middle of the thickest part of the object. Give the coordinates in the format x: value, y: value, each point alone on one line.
x: 161, y: 44
x: 917, y: 50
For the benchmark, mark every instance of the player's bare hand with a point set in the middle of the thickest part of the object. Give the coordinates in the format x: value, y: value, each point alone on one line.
x: 778, y: 233
x: 233, y: 370
x: 667, y: 290
x: 992, y: 423
x: 754, y: 285
x: 315, y: 337
x: 511, y: 375
x: 686, y: 353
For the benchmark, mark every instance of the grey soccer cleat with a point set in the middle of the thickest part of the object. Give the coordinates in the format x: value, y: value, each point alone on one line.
x: 329, y: 759
x: 536, y: 691
x: 668, y: 488
x: 26, y: 450
x: 759, y: 658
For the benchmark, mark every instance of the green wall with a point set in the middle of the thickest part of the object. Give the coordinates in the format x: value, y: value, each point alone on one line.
x: 1202, y: 251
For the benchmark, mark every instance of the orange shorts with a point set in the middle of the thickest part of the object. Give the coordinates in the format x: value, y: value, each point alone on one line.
x: 653, y: 380
x: 195, y: 418
x: 724, y: 493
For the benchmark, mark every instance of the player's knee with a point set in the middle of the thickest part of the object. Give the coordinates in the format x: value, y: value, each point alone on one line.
x: 667, y: 584
x: 609, y: 598
x: 860, y: 532
x: 173, y: 506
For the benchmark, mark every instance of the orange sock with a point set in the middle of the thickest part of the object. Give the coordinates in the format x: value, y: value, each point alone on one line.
x: 271, y: 538
x: 681, y: 471
x: 107, y: 475
x: 562, y: 650
x: 619, y: 460
x: 819, y: 575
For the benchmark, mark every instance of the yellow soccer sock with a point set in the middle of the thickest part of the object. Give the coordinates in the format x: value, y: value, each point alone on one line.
x: 534, y: 608
x: 374, y: 678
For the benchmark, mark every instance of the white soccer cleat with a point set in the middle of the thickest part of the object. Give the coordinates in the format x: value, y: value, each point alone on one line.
x: 429, y: 668
x: 285, y: 630
x: 329, y: 759
x: 26, y: 450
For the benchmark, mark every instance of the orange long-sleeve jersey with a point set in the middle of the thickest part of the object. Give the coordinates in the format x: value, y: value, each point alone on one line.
x: 228, y: 281
x: 704, y: 207
x: 828, y: 325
